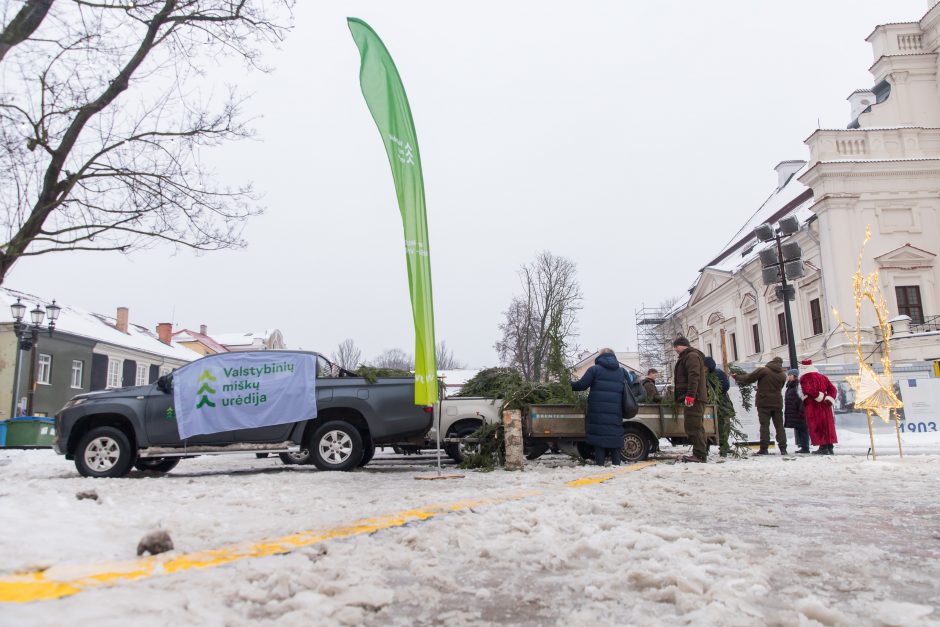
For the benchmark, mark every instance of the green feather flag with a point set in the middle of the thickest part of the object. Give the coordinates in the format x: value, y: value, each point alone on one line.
x: 386, y: 99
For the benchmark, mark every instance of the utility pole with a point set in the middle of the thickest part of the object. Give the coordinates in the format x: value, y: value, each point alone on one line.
x: 781, y: 262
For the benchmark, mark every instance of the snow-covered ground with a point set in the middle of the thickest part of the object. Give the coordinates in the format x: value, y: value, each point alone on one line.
x: 812, y: 540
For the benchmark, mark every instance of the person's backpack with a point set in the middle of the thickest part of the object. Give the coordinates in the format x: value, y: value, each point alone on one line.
x: 630, y: 405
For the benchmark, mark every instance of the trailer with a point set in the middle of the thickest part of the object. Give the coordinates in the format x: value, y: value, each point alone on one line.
x: 562, y: 427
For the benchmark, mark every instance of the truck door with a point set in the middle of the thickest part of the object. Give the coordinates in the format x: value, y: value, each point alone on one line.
x: 160, y: 419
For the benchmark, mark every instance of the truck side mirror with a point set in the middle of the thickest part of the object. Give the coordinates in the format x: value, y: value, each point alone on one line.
x: 165, y: 383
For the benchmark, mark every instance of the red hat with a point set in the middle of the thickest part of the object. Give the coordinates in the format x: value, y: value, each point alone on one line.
x: 806, y: 362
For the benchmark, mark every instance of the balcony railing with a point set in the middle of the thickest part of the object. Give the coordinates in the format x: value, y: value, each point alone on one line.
x: 930, y: 324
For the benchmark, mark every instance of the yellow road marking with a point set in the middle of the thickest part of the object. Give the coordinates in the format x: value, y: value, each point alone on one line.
x: 607, y: 476
x: 62, y: 581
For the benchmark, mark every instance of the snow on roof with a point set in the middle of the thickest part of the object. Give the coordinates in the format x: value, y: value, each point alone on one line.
x: 458, y: 376
x: 188, y: 335
x: 778, y: 200
x: 97, y: 327
x: 242, y: 339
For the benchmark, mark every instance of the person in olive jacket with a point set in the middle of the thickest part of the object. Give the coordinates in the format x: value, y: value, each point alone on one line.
x: 769, y: 401
x: 691, y: 391
x: 649, y: 387
x: 604, y: 423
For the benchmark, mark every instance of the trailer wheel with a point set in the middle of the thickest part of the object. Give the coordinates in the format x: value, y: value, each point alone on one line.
x: 636, y: 446
x: 535, y: 449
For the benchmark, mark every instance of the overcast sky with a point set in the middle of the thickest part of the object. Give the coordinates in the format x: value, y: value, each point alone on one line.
x: 631, y: 137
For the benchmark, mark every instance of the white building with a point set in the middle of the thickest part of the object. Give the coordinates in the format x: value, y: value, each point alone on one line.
x: 882, y: 172
x: 269, y: 339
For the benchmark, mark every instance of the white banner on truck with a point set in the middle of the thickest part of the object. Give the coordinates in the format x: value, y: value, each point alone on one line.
x: 233, y: 391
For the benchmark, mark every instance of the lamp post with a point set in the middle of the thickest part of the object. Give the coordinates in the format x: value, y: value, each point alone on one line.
x: 781, y: 262
x: 27, y: 335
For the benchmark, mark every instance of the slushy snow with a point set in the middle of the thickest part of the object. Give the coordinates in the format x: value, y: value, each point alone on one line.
x: 813, y: 540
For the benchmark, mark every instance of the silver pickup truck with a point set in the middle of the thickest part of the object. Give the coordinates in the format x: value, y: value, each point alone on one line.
x: 109, y: 432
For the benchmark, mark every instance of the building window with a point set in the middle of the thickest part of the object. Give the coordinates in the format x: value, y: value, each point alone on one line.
x: 142, y: 371
x: 782, y: 324
x: 78, y: 368
x: 734, y: 346
x: 114, y: 373
x: 165, y: 370
x: 815, y: 314
x: 710, y: 353
x: 909, y: 303
x: 756, y: 331
x: 44, y: 373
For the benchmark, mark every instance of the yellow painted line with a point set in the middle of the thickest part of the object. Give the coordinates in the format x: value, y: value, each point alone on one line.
x: 607, y: 476
x: 65, y: 580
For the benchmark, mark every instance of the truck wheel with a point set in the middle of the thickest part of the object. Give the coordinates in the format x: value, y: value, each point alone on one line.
x: 535, y: 449
x: 458, y: 452
x: 368, y: 452
x: 300, y: 458
x: 636, y: 446
x: 104, y: 452
x: 157, y: 464
x: 336, y: 445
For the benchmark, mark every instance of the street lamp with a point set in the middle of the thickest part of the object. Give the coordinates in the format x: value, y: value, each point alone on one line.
x: 28, y: 338
x: 780, y: 263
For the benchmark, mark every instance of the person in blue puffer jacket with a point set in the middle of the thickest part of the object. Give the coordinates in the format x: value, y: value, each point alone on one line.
x: 606, y: 379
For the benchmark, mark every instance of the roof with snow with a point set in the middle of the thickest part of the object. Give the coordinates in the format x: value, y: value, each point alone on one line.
x: 188, y: 335
x: 243, y: 339
x: 792, y: 199
x: 97, y: 327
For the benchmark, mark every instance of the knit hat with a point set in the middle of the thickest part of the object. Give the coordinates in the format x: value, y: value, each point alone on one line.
x: 807, y: 362
x: 680, y: 341
x: 794, y: 372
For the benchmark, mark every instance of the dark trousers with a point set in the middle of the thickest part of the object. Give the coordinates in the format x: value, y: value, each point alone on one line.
x: 801, y: 435
x: 766, y: 416
x: 600, y: 454
x: 695, y: 429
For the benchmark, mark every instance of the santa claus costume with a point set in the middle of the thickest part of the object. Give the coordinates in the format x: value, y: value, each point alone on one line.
x: 819, y: 395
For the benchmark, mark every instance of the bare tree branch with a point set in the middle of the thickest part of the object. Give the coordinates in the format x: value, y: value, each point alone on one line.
x: 117, y: 163
x: 23, y: 24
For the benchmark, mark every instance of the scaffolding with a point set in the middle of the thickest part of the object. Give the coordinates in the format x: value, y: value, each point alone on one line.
x: 652, y: 335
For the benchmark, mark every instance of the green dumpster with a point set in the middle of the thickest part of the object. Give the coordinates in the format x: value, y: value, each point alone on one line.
x: 30, y: 432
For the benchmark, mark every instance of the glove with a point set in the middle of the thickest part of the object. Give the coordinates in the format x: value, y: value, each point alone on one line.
x: 819, y: 397
x: 830, y: 400
x: 689, y: 401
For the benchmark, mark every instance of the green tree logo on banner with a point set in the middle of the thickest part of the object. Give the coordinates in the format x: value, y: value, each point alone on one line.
x: 205, y: 390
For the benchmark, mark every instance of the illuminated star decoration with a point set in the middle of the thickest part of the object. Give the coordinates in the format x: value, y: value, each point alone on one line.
x: 874, y: 392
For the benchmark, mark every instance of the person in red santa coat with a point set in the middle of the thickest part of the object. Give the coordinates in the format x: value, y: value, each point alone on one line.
x: 819, y: 395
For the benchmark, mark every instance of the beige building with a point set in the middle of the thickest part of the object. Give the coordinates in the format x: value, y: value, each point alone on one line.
x: 882, y: 172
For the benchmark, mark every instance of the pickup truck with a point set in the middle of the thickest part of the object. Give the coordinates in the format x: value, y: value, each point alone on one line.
x: 109, y: 432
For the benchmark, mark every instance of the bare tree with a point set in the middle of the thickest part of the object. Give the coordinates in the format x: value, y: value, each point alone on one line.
x: 539, y: 325
x: 347, y: 355
x: 395, y: 359
x: 446, y: 359
x: 104, y: 116
x: 23, y: 24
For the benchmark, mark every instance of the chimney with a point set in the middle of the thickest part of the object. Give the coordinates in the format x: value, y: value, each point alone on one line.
x: 203, y: 329
x: 859, y: 100
x: 786, y: 169
x: 165, y: 332
x: 121, y: 323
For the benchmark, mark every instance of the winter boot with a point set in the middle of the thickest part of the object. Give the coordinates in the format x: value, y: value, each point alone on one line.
x: 783, y: 450
x: 831, y: 450
x: 822, y: 450
x: 763, y: 450
x: 803, y: 451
